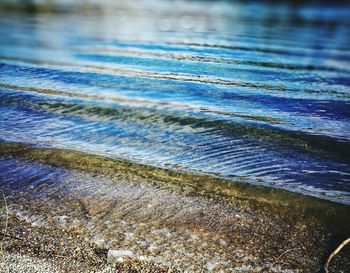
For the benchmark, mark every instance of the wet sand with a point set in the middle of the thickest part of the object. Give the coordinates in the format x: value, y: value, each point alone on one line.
x: 66, y: 209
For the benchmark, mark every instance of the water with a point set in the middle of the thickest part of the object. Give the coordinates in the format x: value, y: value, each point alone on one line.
x: 251, y: 92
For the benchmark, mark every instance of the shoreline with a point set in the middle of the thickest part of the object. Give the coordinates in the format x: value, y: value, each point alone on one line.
x: 212, y: 222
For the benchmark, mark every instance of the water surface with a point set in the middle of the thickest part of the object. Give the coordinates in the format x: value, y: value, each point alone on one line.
x: 250, y: 92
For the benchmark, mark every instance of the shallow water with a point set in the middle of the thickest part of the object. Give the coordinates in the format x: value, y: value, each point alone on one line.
x: 257, y: 93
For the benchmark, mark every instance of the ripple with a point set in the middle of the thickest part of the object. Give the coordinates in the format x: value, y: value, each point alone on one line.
x: 260, y: 97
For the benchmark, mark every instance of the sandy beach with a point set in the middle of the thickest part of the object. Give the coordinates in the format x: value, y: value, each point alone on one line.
x: 88, y: 205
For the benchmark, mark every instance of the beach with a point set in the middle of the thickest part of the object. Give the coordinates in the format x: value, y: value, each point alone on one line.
x: 193, y: 223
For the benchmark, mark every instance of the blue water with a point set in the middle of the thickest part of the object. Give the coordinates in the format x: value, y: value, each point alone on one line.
x: 255, y: 93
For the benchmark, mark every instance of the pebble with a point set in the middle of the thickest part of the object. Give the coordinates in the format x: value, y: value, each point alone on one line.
x: 119, y: 255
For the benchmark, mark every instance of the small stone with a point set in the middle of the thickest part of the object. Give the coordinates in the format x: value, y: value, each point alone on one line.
x: 119, y: 255
x: 99, y: 242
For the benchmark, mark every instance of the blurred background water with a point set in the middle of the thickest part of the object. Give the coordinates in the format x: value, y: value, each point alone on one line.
x: 254, y: 92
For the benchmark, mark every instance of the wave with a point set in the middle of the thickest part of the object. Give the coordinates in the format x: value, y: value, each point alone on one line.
x: 257, y: 97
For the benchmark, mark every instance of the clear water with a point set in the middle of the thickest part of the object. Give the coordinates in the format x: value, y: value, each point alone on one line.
x: 251, y: 92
